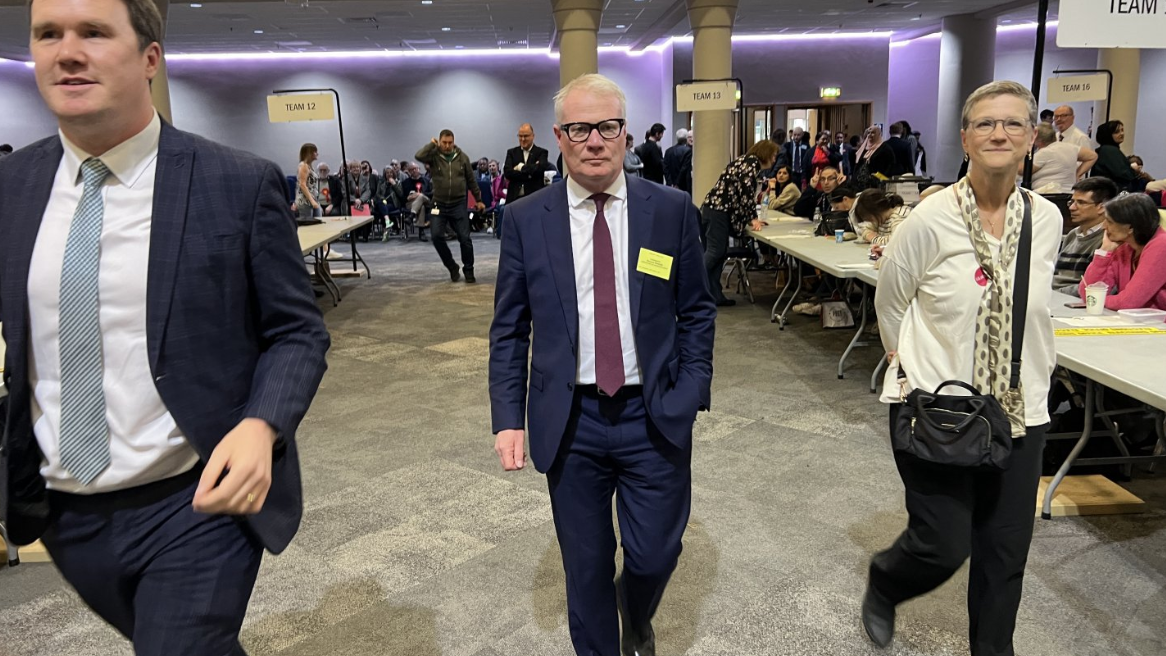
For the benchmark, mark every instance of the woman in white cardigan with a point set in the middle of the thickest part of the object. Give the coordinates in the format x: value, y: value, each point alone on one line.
x: 944, y: 302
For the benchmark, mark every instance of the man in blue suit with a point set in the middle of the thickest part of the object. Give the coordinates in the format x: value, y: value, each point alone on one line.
x: 609, y: 272
x: 163, y: 343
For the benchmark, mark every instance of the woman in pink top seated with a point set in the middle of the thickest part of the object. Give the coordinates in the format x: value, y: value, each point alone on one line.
x: 1132, y: 257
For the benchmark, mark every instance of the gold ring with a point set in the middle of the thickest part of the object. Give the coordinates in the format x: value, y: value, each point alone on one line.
x: 251, y: 498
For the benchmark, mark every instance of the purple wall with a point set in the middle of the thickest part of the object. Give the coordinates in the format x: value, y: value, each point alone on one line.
x: 913, y: 88
x: 23, y: 117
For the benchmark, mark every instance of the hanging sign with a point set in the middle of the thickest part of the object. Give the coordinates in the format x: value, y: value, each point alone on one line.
x: 1111, y: 24
x: 703, y: 96
x: 287, y: 108
x: 1078, y: 88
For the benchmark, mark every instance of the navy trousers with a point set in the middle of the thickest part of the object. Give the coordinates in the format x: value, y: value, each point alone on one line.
x: 612, y: 446
x: 173, y: 581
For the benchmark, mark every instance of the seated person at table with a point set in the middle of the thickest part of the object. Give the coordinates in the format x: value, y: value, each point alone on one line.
x: 1132, y: 257
x: 783, y: 193
x: 842, y: 199
x: 876, y: 215
x: 817, y: 195
x: 1057, y: 165
x: 1088, y: 218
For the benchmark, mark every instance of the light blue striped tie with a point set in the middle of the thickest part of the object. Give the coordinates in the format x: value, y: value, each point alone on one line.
x: 84, y: 431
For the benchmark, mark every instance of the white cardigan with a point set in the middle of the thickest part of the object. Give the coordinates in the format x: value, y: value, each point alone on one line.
x: 928, y: 295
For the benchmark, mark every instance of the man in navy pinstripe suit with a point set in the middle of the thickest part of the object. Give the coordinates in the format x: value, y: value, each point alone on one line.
x: 163, y: 343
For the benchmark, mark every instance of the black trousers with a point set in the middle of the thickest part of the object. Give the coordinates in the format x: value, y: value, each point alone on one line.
x: 173, y: 581
x: 956, y: 512
x: 458, y: 216
x: 716, y: 247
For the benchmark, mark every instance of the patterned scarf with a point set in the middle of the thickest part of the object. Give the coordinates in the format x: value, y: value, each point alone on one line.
x: 993, y: 350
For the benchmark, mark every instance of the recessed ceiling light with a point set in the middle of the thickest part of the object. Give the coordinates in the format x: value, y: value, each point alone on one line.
x: 445, y: 29
x: 620, y: 27
x: 195, y: 5
x: 426, y: 2
x: 259, y: 31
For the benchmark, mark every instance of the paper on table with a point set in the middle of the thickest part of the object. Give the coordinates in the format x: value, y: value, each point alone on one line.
x: 856, y: 266
x: 1106, y: 321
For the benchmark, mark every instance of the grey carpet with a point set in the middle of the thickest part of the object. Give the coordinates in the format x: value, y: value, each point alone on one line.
x: 415, y: 543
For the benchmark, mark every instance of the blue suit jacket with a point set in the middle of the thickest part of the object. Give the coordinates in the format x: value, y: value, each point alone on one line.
x: 673, y: 319
x: 233, y: 329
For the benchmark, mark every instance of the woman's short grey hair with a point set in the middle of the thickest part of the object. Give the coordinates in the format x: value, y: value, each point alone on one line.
x: 1000, y: 88
x: 594, y: 84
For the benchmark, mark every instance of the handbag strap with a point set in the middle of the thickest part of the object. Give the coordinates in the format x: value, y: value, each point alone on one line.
x: 1020, y: 290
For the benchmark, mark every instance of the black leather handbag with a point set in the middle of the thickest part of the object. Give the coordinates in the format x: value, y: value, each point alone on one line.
x: 962, y: 430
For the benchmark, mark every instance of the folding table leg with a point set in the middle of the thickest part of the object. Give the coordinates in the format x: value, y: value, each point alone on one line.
x: 857, y: 335
x: 1086, y: 432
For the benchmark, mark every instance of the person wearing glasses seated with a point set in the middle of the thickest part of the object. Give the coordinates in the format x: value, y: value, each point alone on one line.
x: 877, y: 214
x: 817, y: 195
x: 1132, y: 257
x: 730, y: 207
x: 1088, y: 217
x: 783, y: 193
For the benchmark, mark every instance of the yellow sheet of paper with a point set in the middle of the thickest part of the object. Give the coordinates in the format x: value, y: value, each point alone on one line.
x: 1081, y: 332
x: 655, y: 264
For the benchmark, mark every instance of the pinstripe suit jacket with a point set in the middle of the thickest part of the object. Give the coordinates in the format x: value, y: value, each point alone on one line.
x: 233, y: 329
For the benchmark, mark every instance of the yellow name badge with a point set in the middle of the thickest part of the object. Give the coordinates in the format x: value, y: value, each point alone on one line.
x: 655, y: 264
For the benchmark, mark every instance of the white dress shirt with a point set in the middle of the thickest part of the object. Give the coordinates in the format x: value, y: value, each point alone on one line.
x: 582, y: 224
x: 1074, y: 135
x: 145, y: 443
x: 929, y: 293
x: 1058, y: 168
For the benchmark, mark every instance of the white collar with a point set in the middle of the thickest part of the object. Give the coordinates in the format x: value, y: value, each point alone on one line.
x: 577, y: 195
x: 125, y: 161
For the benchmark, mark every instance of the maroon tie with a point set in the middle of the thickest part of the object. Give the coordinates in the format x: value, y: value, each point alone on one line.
x: 609, y: 374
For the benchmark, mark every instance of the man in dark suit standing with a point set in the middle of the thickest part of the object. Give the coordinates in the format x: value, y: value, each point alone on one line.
x: 651, y: 155
x: 678, y: 163
x: 525, y: 167
x: 901, y: 148
x: 152, y: 409
x: 609, y: 272
x: 800, y: 156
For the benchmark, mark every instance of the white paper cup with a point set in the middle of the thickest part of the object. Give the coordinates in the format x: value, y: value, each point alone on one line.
x: 1095, y: 299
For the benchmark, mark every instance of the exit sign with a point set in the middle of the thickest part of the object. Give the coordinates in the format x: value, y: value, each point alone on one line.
x: 831, y: 92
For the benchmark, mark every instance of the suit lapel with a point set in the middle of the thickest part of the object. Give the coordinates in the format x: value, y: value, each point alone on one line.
x: 640, y: 220
x: 557, y: 232
x: 171, y: 190
x: 24, y: 228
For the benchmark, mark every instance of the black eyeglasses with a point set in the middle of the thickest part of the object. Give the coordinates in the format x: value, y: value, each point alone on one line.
x: 1085, y: 203
x: 581, y: 131
x: 1013, y: 126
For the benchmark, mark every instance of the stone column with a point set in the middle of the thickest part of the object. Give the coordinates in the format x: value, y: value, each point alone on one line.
x: 578, y: 24
x: 967, y: 60
x: 712, y: 59
x: 160, y: 85
x: 1126, y: 64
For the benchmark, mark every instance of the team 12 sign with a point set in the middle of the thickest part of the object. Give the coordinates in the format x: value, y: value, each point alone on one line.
x: 301, y: 107
x: 1112, y: 24
x: 703, y: 96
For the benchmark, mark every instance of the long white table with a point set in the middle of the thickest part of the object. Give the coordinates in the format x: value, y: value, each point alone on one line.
x: 314, y: 238
x: 848, y: 261
x: 1134, y: 365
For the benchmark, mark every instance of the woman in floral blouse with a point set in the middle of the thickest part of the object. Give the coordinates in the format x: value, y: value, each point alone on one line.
x: 730, y: 206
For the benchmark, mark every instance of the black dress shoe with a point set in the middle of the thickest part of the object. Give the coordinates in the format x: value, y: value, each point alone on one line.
x: 633, y: 642
x: 470, y: 276
x: 454, y: 274
x: 878, y: 618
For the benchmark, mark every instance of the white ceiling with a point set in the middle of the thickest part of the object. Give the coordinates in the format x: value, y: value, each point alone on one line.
x: 316, y: 25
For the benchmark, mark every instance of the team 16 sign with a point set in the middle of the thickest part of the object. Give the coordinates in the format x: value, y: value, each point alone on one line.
x: 703, y: 96
x: 1112, y: 24
x: 301, y: 107
x: 1078, y: 88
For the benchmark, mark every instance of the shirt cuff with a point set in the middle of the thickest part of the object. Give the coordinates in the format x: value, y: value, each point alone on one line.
x: 1101, y: 252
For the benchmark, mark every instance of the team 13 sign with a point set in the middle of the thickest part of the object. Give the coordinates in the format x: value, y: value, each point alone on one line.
x: 703, y: 96
x: 301, y: 107
x: 1112, y: 24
